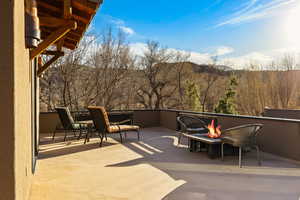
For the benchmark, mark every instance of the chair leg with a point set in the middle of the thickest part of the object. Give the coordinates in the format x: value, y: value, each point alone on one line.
x: 240, y: 157
x: 125, y: 135
x: 138, y: 135
x: 258, y: 156
x: 121, y: 137
x: 179, y: 137
x: 80, y: 133
x: 86, y: 137
x: 74, y: 132
x: 101, y: 136
x: 222, y: 151
x: 65, y: 136
x: 54, y: 133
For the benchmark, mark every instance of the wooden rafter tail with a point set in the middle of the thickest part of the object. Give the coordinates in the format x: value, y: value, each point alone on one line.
x: 54, y: 53
x: 51, y: 39
x: 46, y: 65
x: 67, y: 9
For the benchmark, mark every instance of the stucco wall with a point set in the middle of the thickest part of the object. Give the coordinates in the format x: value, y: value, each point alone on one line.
x: 15, y: 104
x: 168, y: 119
x: 290, y: 114
x: 148, y: 118
x: 48, y: 122
x: 278, y: 136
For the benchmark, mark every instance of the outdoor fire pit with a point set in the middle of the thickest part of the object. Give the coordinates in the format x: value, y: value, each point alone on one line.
x: 210, y: 141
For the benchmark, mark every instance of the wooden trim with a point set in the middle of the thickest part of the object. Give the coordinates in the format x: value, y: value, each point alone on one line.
x: 51, y: 39
x: 58, y: 11
x: 85, y: 6
x: 54, y: 53
x: 67, y: 9
x: 52, y: 21
x: 46, y: 65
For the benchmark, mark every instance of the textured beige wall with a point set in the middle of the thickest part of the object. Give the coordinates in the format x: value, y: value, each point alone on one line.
x: 168, y: 119
x: 15, y: 104
x: 276, y: 137
x: 147, y: 118
x: 281, y: 113
x: 48, y: 122
x: 6, y: 103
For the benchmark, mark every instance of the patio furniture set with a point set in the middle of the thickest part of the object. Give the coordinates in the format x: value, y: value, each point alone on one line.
x: 99, y: 124
x: 243, y: 137
x: 195, y: 129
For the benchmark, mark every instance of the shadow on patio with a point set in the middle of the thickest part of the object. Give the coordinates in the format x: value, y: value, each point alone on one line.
x: 156, y: 168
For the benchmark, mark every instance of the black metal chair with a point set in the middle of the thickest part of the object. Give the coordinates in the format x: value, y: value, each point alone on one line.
x: 244, y: 136
x: 190, y: 125
x: 68, y: 123
x: 103, y: 126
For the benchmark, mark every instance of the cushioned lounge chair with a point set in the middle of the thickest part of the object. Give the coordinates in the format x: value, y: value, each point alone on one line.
x: 104, y: 127
x: 68, y: 123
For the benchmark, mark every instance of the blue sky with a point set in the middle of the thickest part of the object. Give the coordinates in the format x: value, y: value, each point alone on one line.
x: 236, y: 30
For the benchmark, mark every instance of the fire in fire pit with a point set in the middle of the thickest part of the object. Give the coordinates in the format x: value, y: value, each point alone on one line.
x: 214, y: 132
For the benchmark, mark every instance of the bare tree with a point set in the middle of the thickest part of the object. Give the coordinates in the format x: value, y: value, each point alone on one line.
x: 111, y: 62
x: 159, y: 76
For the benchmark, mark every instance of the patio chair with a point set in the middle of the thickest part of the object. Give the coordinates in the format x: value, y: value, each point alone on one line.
x: 190, y: 125
x: 104, y: 127
x: 68, y: 123
x: 243, y: 137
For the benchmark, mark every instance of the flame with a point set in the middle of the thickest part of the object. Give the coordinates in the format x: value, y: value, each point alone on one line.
x: 213, y: 132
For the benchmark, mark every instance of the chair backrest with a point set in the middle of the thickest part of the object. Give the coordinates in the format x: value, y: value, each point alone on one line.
x: 186, y: 121
x: 244, y: 135
x: 65, y: 117
x: 100, y: 118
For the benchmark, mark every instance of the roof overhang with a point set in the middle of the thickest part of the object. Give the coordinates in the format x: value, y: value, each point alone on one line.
x: 62, y: 23
x: 52, y: 15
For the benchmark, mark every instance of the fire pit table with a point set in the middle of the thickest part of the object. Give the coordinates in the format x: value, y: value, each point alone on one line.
x: 213, y: 145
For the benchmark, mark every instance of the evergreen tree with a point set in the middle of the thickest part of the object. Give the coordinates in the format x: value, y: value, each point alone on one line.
x: 226, y: 104
x: 192, y: 96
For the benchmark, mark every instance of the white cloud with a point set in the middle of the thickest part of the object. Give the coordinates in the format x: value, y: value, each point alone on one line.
x: 138, y: 48
x: 127, y: 30
x: 196, y: 57
x: 121, y: 25
x: 256, y: 9
x: 253, y: 58
x: 223, y: 50
x: 258, y: 59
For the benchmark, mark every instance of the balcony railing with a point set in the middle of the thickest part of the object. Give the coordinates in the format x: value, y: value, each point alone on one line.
x: 279, y: 136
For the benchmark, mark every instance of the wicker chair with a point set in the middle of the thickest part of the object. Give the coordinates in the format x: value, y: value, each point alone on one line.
x: 190, y: 125
x: 243, y: 137
x: 68, y: 123
x: 104, y: 127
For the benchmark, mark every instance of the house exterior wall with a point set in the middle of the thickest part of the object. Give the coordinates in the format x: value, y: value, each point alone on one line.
x: 15, y: 104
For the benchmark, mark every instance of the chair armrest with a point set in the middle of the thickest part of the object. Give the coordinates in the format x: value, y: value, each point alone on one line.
x: 121, y: 122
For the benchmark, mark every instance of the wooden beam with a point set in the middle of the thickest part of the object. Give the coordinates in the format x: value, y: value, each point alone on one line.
x: 47, y: 65
x: 59, y: 12
x: 52, y: 21
x: 54, y: 53
x: 85, y: 6
x: 55, y: 36
x: 67, y: 9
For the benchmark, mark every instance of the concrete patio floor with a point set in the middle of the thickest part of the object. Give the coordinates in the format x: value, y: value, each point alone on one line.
x: 156, y: 168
